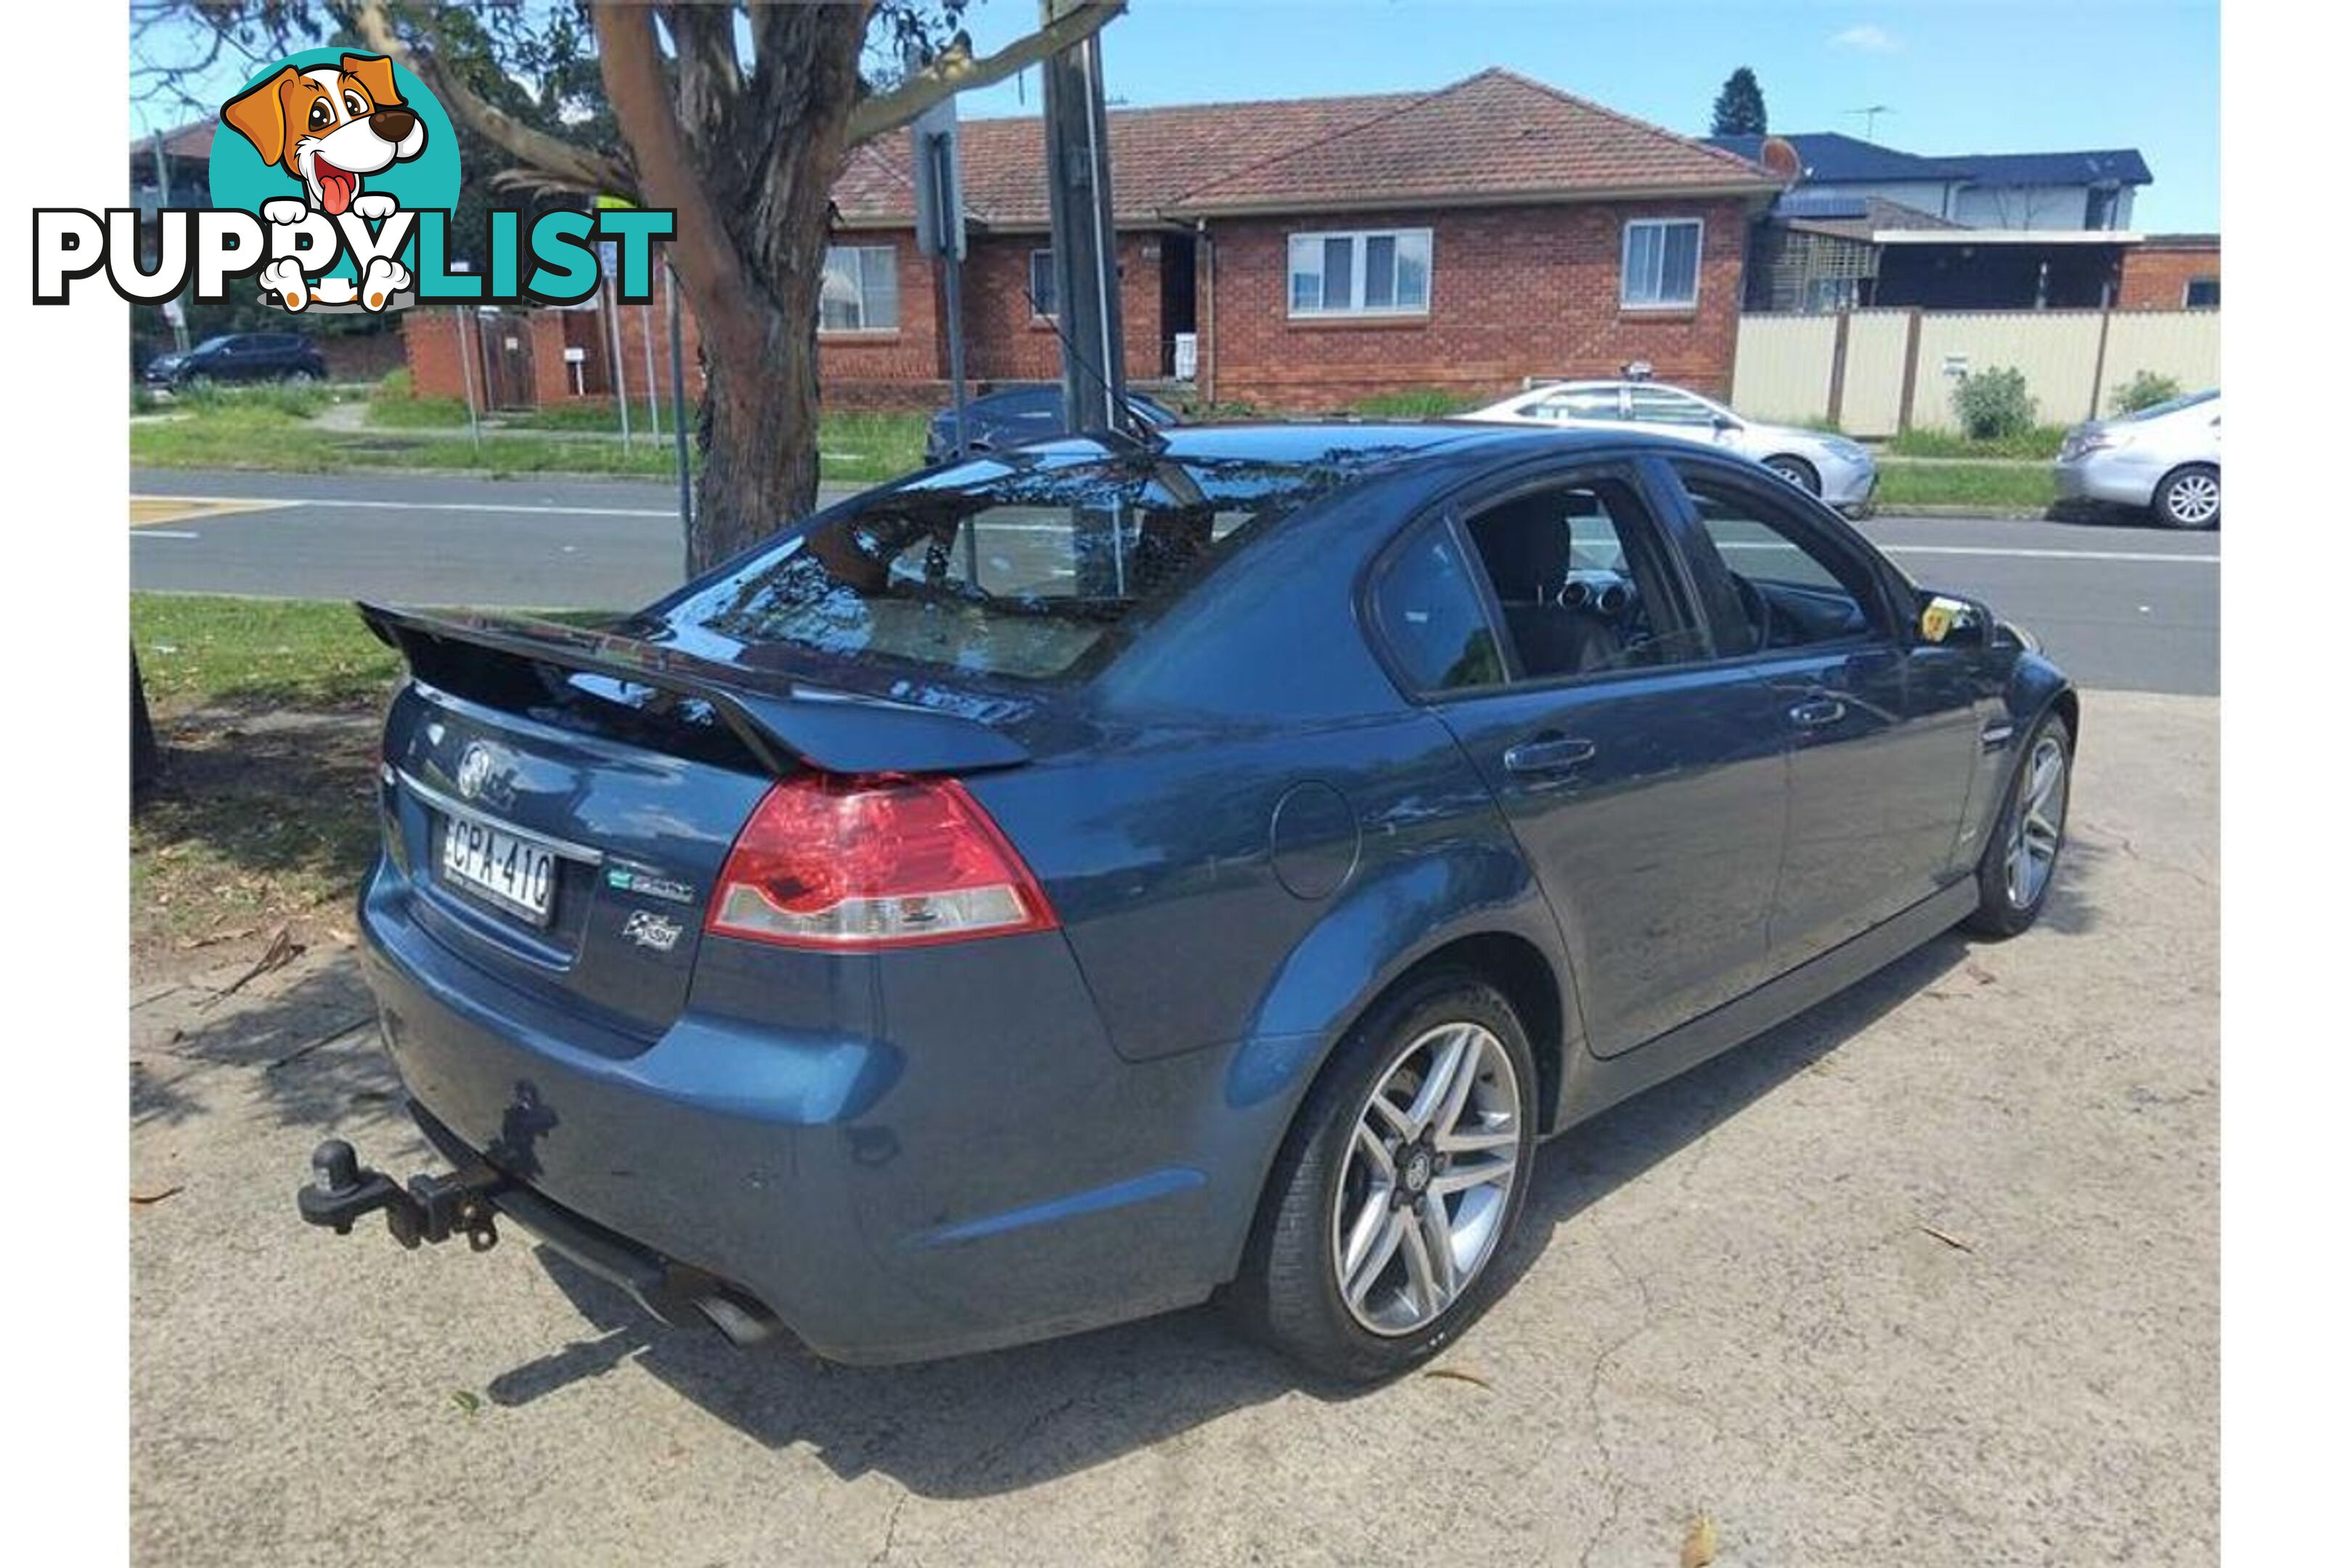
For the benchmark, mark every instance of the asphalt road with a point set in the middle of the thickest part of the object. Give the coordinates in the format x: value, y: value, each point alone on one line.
x: 2122, y: 607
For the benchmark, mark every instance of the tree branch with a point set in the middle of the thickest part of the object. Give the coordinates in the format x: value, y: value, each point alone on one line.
x: 956, y: 70
x: 563, y: 165
x: 707, y: 258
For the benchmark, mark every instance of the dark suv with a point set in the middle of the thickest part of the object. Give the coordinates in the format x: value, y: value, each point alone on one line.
x: 239, y: 356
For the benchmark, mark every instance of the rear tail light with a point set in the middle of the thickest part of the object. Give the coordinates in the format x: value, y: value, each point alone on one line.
x: 834, y: 862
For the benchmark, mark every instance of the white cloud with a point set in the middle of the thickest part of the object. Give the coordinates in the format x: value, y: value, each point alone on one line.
x: 1869, y: 37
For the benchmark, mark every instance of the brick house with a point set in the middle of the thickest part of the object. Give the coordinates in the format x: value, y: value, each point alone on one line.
x: 1316, y: 251
x: 2172, y: 272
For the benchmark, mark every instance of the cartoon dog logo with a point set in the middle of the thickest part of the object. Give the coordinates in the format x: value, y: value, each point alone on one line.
x: 329, y: 127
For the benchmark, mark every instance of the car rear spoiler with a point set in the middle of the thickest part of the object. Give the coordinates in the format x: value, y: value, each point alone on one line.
x: 784, y: 722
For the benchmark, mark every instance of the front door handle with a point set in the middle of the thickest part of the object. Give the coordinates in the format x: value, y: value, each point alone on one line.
x: 1547, y: 754
x: 1817, y: 713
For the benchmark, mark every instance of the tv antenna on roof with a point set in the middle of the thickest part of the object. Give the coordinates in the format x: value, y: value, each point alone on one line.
x: 1870, y: 114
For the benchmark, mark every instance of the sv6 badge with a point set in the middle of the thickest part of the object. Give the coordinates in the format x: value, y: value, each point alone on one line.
x: 647, y: 929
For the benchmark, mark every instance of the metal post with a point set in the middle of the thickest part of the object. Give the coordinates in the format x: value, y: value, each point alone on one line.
x: 178, y: 318
x: 653, y: 392
x: 611, y: 304
x: 1085, y: 244
x: 940, y: 149
x: 677, y: 411
x: 465, y: 364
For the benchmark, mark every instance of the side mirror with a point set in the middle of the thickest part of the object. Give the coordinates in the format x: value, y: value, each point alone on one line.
x: 1950, y: 622
x: 1724, y: 424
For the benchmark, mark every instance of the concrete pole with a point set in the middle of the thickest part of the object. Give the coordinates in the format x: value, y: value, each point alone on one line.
x: 1085, y: 244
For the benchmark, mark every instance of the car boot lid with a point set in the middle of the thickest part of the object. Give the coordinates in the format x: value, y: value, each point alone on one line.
x: 785, y: 722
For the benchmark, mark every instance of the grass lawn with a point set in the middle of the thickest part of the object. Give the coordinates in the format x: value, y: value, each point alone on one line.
x: 2039, y: 444
x: 200, y: 650
x: 2002, y: 485
x: 268, y: 710
x: 269, y: 428
x: 275, y: 428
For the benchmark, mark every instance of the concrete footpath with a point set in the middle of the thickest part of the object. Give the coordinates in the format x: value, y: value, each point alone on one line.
x: 1926, y: 1276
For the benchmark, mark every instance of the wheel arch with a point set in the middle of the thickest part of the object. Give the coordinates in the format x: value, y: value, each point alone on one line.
x: 2188, y: 465
x: 1800, y: 461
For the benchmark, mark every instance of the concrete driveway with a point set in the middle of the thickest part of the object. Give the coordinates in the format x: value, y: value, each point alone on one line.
x: 1926, y: 1276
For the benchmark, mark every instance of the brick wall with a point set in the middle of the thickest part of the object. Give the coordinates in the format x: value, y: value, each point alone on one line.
x: 1004, y: 339
x: 1514, y: 291
x: 2156, y: 274
x: 857, y: 364
x: 428, y: 341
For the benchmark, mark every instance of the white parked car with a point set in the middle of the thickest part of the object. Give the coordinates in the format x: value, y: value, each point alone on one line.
x: 2166, y: 457
x: 1837, y: 471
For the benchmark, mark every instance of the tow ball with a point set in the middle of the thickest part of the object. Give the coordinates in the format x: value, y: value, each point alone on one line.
x: 430, y: 1209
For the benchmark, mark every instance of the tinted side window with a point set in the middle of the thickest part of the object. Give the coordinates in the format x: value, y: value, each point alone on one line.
x: 1663, y: 406
x: 1580, y: 571
x: 1794, y: 589
x: 1427, y: 609
x: 1584, y: 402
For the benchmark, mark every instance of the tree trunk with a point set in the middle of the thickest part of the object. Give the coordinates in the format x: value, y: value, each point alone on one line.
x: 759, y: 427
x: 146, y: 757
x: 751, y: 229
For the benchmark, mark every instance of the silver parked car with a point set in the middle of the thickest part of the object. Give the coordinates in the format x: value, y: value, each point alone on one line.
x: 1837, y: 471
x: 2166, y: 457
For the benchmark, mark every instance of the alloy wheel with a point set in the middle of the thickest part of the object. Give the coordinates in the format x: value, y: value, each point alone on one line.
x: 2040, y: 823
x: 1427, y: 1181
x: 2194, y: 499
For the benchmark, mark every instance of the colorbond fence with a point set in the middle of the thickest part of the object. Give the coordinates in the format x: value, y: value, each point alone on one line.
x: 1874, y: 373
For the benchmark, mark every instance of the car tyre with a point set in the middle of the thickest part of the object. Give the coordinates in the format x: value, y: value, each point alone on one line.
x: 298, y: 376
x: 1796, y: 472
x: 2190, y: 497
x: 2020, y: 863
x: 1420, y: 1278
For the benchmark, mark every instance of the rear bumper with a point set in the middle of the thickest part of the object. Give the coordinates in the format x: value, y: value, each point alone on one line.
x: 2116, y: 478
x: 982, y: 1172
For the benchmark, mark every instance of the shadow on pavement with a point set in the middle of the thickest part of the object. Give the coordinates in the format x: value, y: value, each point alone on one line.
x: 996, y: 1422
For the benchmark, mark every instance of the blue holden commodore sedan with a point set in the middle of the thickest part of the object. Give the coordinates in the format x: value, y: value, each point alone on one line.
x: 1118, y: 872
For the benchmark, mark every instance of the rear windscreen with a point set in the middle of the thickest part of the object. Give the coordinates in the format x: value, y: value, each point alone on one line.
x: 1017, y: 566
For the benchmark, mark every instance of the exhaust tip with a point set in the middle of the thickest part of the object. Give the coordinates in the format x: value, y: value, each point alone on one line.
x: 743, y: 1320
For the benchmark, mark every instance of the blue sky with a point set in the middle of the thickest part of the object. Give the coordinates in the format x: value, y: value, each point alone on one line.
x: 1959, y: 76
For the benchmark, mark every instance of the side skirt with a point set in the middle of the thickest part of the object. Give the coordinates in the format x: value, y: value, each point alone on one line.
x: 1604, y: 1083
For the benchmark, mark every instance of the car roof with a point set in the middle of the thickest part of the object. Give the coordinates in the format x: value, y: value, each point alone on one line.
x: 1306, y: 440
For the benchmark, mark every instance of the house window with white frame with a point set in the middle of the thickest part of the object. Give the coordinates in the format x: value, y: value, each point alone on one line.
x: 860, y: 291
x: 1661, y: 264
x: 1042, y: 302
x: 1360, y: 272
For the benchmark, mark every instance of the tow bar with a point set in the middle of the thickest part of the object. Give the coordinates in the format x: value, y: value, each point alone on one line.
x: 430, y: 1209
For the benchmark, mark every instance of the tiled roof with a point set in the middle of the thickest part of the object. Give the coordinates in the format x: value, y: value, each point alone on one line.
x: 1496, y: 136
x: 1155, y: 154
x: 194, y: 140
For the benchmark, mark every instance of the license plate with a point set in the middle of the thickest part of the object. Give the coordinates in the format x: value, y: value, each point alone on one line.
x: 512, y: 873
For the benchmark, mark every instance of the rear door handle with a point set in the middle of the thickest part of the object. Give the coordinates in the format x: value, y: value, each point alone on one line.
x: 1547, y: 754
x: 1817, y: 713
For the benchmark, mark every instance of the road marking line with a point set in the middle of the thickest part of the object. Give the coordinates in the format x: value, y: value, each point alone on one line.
x: 2021, y: 552
x: 163, y: 533
x: 669, y: 512
x: 146, y: 511
x: 2050, y: 555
